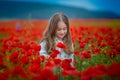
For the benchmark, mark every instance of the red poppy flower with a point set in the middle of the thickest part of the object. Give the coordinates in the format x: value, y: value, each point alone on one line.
x: 96, y: 51
x: 114, y: 70
x: 85, y: 55
x: 42, y: 58
x: 100, y: 69
x: 28, y: 52
x: 54, y: 53
x: 24, y: 60
x: 112, y: 53
x: 34, y: 46
x: 45, y: 74
x: 14, y: 57
x: 5, y: 74
x: 18, y: 70
x: 66, y: 64
x: 57, y: 61
x: 61, y: 45
x: 1, y: 62
x: 3, y: 77
x: 36, y: 60
x: 34, y: 68
x: 88, y: 74
x: 70, y: 72
x: 26, y: 46
x: 77, y: 53
x: 82, y: 44
x: 50, y: 64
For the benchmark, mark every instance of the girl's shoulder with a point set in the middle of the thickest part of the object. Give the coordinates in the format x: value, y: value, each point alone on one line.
x: 43, y: 42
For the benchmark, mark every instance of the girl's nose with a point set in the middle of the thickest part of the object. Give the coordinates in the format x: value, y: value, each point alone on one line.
x: 62, y: 31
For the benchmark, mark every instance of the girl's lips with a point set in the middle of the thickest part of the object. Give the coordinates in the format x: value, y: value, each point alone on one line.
x: 61, y: 34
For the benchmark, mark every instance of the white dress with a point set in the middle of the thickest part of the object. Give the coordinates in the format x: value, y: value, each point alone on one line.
x: 62, y: 54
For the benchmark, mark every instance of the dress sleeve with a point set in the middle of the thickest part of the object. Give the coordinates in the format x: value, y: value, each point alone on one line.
x: 43, y: 51
x: 72, y: 57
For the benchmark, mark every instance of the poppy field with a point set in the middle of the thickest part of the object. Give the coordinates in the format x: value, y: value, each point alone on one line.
x: 96, y: 50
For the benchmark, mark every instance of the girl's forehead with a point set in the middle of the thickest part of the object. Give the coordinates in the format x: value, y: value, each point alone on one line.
x: 61, y: 24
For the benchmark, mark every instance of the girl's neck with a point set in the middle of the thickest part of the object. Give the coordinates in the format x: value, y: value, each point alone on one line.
x: 58, y: 39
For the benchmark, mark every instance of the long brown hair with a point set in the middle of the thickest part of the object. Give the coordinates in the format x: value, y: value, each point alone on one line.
x: 49, y: 35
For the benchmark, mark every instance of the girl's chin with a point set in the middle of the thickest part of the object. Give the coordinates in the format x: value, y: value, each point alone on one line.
x: 61, y: 37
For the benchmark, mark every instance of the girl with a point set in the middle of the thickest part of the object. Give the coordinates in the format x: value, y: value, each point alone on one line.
x: 57, y: 31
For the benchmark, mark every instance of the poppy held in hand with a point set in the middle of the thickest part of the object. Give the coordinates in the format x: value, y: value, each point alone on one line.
x: 61, y: 45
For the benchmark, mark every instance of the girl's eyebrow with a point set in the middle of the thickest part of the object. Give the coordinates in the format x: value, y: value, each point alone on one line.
x: 61, y: 28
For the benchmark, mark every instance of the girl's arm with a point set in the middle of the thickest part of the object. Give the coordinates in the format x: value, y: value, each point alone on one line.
x: 72, y: 57
x: 43, y: 51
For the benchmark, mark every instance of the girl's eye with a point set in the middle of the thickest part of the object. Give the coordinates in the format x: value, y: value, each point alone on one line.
x: 64, y: 28
x: 59, y: 29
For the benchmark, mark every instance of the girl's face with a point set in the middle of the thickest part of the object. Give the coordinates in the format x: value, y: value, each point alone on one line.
x: 61, y: 30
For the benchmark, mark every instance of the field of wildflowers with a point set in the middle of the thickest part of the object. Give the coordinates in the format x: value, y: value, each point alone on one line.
x: 96, y: 49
